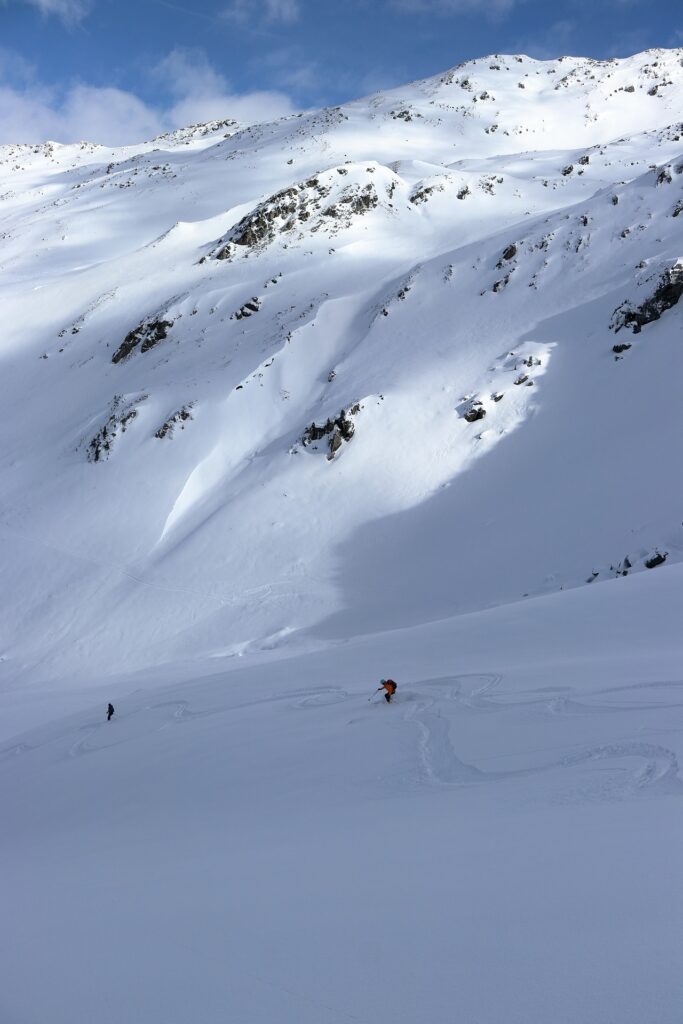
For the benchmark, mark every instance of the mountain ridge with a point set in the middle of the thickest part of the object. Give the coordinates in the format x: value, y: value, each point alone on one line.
x: 180, y: 318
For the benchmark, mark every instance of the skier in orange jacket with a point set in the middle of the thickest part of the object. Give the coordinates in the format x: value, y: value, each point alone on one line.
x: 390, y: 686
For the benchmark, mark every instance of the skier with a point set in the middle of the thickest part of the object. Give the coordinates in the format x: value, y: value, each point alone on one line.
x: 110, y: 711
x: 390, y: 686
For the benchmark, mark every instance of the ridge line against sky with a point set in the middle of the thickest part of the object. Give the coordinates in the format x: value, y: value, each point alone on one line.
x: 118, y: 72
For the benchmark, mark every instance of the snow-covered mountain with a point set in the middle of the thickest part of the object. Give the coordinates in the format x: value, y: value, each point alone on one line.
x: 385, y: 389
x: 179, y: 314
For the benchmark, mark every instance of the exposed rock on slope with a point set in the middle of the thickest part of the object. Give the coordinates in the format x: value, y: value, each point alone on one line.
x: 324, y: 201
x: 665, y: 296
x: 123, y: 412
x: 338, y: 429
x: 429, y: 244
x: 146, y: 335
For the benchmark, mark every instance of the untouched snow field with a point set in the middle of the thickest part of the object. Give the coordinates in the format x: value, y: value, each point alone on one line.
x: 390, y: 389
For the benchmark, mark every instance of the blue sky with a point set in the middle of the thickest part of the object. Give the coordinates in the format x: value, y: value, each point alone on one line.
x: 119, y: 71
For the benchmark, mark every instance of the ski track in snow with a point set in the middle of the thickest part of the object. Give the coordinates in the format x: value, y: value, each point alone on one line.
x: 432, y: 711
x: 441, y: 764
x: 160, y: 716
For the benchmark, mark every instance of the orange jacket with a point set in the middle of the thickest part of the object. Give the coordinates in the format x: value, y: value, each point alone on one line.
x: 389, y: 685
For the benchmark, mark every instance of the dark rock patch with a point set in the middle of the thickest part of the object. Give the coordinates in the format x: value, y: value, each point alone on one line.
x: 422, y: 193
x: 355, y: 201
x: 665, y: 296
x: 248, y: 309
x: 477, y: 412
x: 122, y: 415
x: 147, y: 334
x: 508, y: 254
x: 179, y: 417
x: 502, y: 283
x: 404, y: 114
x: 295, y: 206
x: 337, y: 430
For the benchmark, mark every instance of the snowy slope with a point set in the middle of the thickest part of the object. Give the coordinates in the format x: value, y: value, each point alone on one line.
x: 385, y: 389
x: 370, y: 242
x: 500, y: 845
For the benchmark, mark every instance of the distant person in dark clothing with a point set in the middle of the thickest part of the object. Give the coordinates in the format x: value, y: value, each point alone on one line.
x: 110, y: 711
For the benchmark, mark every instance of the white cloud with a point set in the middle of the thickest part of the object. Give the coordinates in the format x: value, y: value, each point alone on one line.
x: 33, y: 112
x: 201, y: 93
x: 67, y: 10
x: 109, y: 116
x: 255, y: 11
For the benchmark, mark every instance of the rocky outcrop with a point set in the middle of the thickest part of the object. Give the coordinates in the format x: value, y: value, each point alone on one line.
x: 404, y: 114
x: 248, y: 309
x: 477, y: 412
x: 354, y: 200
x: 666, y: 295
x: 507, y: 255
x: 502, y: 283
x: 198, y: 131
x: 122, y: 415
x: 146, y: 335
x: 302, y: 205
x: 421, y: 193
x: 336, y: 430
x: 180, y: 417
